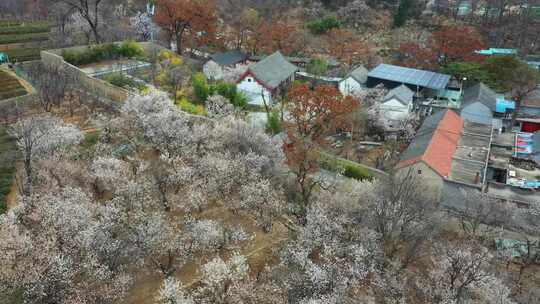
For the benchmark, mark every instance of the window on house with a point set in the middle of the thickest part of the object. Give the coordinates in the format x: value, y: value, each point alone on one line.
x: 419, y: 171
x: 249, y: 79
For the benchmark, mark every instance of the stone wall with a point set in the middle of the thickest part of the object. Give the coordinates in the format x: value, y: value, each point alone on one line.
x: 94, y: 85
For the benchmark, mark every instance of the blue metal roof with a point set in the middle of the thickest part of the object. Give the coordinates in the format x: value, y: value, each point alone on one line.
x: 497, y: 51
x: 410, y: 76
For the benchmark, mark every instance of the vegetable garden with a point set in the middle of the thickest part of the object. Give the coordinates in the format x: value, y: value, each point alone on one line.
x: 29, y: 34
x: 10, y: 86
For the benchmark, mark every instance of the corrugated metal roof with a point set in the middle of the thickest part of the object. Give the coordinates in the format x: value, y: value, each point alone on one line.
x: 410, y: 76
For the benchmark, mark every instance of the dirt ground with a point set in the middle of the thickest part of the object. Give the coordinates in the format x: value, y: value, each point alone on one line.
x: 259, y: 252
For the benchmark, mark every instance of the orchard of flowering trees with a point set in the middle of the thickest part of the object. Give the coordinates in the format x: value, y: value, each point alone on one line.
x: 163, y: 192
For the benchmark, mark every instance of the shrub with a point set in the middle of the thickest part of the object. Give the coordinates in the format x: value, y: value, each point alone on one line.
x: 121, y: 80
x: 201, y: 90
x: 230, y: 92
x: 188, y: 107
x: 90, y: 139
x: 273, y: 125
x: 356, y: 173
x: 127, y: 49
x: 131, y: 49
x: 324, y: 25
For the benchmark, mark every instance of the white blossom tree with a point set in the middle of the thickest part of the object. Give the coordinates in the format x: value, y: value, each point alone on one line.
x: 218, y: 106
x: 143, y: 25
x: 219, y: 277
x: 213, y: 71
x: 40, y: 137
x: 171, y: 292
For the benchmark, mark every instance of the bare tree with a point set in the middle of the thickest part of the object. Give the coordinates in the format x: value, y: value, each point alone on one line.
x: 482, y: 214
x: 90, y: 11
x: 53, y: 84
x: 402, y: 212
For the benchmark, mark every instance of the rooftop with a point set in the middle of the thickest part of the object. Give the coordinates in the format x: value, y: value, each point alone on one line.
x: 454, y: 148
x: 359, y: 74
x: 229, y: 58
x: 410, y: 76
x: 480, y: 93
x: 469, y: 161
x: 273, y: 70
x: 402, y: 93
x: 497, y: 51
x: 435, y: 142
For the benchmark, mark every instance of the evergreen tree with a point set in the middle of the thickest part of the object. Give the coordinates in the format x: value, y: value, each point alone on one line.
x: 402, y: 14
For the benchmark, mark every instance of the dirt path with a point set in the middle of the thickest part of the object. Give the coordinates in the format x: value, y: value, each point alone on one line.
x: 11, y: 198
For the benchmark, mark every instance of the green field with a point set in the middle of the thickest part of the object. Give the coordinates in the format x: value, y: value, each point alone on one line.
x: 10, y: 87
x: 27, y: 54
x: 23, y: 32
x: 20, y: 38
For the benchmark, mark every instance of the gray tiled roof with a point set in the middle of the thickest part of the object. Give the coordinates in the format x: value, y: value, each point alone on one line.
x: 273, y: 70
x: 359, y: 74
x: 477, y: 112
x: 423, y: 137
x: 480, y: 93
x: 229, y: 58
x: 402, y: 93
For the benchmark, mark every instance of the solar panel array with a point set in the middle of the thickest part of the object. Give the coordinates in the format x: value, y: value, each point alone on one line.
x: 410, y: 76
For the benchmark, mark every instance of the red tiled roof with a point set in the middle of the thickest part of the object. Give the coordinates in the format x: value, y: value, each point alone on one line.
x: 442, y: 146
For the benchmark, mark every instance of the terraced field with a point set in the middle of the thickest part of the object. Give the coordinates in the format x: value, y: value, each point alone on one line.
x: 10, y: 86
x: 22, y: 40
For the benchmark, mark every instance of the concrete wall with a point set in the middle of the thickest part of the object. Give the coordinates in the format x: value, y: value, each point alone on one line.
x: 93, y: 85
x: 253, y: 89
x: 429, y: 178
x: 394, y: 110
x: 349, y: 86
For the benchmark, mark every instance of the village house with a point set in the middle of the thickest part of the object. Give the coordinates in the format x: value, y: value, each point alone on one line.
x: 528, y: 116
x: 478, y: 104
x: 448, y: 149
x: 354, y: 82
x: 267, y: 79
x: 455, y: 158
x: 214, y: 68
x: 396, y: 107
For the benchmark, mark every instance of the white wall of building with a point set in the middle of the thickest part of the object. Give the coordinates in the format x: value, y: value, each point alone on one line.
x: 392, y: 109
x: 349, y: 86
x: 254, y: 91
